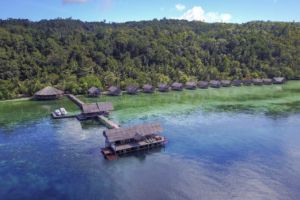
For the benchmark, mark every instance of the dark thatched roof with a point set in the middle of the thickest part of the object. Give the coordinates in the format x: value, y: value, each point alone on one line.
x: 278, y: 80
x: 215, y: 83
x: 237, y: 82
x: 247, y: 82
x: 96, y: 108
x: 148, y: 88
x: 120, y: 134
x: 225, y: 83
x: 163, y: 87
x: 257, y: 81
x: 267, y: 81
x: 49, y: 91
x: 191, y: 85
x: 132, y: 89
x: 113, y: 90
x: 177, y: 86
x: 93, y: 90
x: 203, y: 84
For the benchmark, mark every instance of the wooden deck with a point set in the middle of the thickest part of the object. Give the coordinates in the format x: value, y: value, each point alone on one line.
x: 108, y: 123
x: 77, y: 101
x: 141, y: 145
x: 109, y: 154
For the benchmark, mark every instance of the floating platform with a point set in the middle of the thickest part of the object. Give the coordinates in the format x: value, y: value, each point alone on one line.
x: 109, y: 154
x: 120, y: 141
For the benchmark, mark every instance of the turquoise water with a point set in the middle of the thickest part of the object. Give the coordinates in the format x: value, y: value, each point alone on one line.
x: 236, y: 143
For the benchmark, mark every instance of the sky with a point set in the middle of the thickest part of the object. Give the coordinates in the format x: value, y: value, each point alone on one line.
x: 233, y: 11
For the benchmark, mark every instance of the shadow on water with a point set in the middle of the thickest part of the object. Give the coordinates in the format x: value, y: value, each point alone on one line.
x: 142, y: 155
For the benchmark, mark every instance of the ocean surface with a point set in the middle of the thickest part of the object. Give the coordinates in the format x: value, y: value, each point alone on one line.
x: 230, y: 143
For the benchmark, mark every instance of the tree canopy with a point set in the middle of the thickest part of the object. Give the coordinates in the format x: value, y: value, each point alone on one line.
x: 74, y: 55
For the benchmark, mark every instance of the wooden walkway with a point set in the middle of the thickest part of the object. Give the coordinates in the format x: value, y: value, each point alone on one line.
x: 77, y: 101
x: 108, y: 123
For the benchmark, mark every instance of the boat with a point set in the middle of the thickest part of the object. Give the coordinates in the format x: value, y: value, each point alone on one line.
x: 63, y: 111
x: 57, y: 112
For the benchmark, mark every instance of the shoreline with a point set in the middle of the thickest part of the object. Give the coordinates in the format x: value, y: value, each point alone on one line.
x: 105, y: 93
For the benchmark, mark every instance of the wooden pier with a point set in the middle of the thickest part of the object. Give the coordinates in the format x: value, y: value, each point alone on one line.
x: 118, y: 140
x: 77, y: 101
x: 108, y: 123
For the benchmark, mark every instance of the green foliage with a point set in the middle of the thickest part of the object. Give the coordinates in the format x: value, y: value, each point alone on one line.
x: 89, y: 81
x: 75, y: 55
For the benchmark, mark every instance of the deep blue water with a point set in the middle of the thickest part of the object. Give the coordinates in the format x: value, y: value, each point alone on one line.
x: 209, y: 156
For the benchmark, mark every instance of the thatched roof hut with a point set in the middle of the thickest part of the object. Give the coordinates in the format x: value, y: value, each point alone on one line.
x: 48, y: 93
x: 177, y: 86
x: 225, y: 83
x: 279, y: 80
x: 96, y: 108
x: 163, y: 87
x: 247, y: 82
x: 203, y: 84
x: 267, y: 81
x: 257, y: 81
x: 191, y: 85
x: 122, y: 134
x: 215, y: 84
x: 132, y: 89
x: 94, y: 92
x: 237, y: 83
x: 114, y: 91
x: 148, y: 88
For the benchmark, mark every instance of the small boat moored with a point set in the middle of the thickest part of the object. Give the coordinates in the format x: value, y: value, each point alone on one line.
x: 57, y: 112
x: 63, y: 111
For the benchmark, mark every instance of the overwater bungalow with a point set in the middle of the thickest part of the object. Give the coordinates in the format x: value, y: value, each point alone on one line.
x: 163, y: 87
x: 257, y: 81
x: 191, y: 85
x: 132, y: 89
x: 247, y: 82
x: 114, y: 91
x: 94, y: 92
x: 267, y: 81
x: 48, y: 93
x: 215, y: 84
x: 177, y: 86
x: 225, y: 83
x: 279, y: 80
x: 203, y: 84
x: 148, y: 88
x: 237, y: 83
x: 125, y: 140
x: 93, y: 110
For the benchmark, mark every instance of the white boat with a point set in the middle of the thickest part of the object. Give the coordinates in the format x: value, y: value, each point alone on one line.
x: 57, y: 112
x: 63, y: 111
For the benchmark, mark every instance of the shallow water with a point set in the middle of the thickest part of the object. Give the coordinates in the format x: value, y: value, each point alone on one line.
x: 232, y: 143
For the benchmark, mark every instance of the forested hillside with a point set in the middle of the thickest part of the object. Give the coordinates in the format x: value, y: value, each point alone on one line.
x: 74, y: 55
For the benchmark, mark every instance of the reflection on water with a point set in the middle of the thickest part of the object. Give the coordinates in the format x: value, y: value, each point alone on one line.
x: 209, y: 156
x: 233, y: 143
